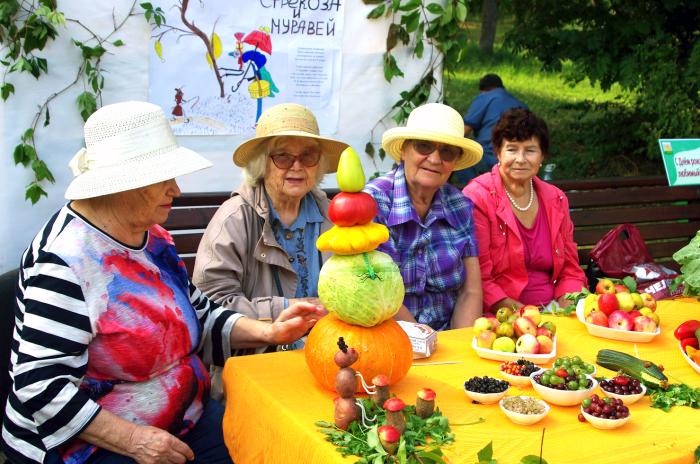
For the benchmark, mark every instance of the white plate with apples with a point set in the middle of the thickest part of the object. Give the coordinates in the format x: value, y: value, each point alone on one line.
x: 496, y: 355
x: 622, y: 334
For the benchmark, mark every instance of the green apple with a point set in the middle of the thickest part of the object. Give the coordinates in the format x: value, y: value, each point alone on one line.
x: 351, y: 177
x: 503, y: 314
x: 637, y: 298
x: 482, y: 324
x: 504, y: 344
x: 505, y: 330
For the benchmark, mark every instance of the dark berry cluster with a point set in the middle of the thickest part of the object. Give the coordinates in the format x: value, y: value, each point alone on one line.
x: 485, y: 385
x: 622, y: 385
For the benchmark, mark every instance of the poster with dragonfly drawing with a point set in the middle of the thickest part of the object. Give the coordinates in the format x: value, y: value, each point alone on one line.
x: 216, y: 65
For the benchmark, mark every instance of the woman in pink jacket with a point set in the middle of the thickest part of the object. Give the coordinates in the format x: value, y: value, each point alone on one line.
x: 527, y: 252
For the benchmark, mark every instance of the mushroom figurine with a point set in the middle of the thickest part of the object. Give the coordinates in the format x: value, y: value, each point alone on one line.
x: 394, y: 413
x: 345, y: 356
x: 381, y: 389
x: 389, y: 437
x: 425, y: 403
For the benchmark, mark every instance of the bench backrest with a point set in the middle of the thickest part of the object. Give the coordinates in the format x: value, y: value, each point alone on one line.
x: 667, y: 217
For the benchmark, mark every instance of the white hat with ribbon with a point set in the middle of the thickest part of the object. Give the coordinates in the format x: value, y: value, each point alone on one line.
x: 128, y: 145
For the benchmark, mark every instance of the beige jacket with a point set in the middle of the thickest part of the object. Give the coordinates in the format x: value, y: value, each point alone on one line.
x: 235, y: 257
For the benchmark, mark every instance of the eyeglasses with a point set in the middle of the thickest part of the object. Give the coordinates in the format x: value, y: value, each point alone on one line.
x: 448, y: 153
x: 286, y: 160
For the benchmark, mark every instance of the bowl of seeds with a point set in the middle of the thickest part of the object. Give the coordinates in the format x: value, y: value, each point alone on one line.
x: 524, y: 410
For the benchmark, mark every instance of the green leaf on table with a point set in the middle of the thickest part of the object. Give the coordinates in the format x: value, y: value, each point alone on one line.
x: 485, y: 454
x: 532, y: 459
x: 697, y: 455
x: 630, y: 283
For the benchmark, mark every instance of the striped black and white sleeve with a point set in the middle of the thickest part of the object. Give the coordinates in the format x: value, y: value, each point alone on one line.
x: 51, y: 358
x: 217, y: 323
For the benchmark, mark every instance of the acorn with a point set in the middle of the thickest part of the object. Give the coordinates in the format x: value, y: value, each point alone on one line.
x: 425, y: 403
x: 346, y: 382
x: 381, y: 389
x: 394, y: 413
x: 346, y: 411
x: 389, y: 437
x: 345, y: 355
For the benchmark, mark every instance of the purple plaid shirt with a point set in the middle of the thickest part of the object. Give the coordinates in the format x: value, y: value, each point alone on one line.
x: 430, y: 254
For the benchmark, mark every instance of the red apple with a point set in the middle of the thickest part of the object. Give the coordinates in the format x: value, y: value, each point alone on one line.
x: 620, y: 320
x: 604, y: 286
x: 546, y: 344
x: 619, y: 288
x: 634, y: 313
x: 644, y: 324
x: 543, y: 331
x: 649, y: 301
x: 533, y: 312
x: 350, y: 209
x: 527, y: 343
x: 524, y: 325
x: 485, y: 339
x: 608, y: 303
x: 494, y: 320
x: 597, y: 318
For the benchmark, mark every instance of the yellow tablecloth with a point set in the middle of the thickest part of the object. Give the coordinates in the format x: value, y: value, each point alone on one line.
x: 273, y: 402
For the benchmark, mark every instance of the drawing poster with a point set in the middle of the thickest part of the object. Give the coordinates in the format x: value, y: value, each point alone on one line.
x: 216, y: 65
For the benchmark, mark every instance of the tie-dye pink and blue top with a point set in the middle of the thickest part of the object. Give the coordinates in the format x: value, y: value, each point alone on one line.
x: 104, y: 325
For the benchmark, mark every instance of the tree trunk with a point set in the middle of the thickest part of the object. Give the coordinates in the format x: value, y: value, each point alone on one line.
x: 489, y: 15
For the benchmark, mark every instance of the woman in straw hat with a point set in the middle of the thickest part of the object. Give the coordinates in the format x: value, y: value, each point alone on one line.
x: 258, y: 253
x: 111, y: 340
x: 430, y: 222
x: 526, y: 246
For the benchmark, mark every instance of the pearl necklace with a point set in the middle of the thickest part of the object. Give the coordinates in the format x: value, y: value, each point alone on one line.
x: 529, y: 203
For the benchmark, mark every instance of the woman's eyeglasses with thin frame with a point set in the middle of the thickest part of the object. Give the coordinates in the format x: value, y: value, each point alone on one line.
x: 448, y: 153
x: 286, y: 160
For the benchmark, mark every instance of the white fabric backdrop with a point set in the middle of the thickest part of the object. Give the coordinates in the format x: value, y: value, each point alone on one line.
x: 365, y: 96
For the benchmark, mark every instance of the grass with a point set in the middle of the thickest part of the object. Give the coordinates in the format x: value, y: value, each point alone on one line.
x: 586, y: 124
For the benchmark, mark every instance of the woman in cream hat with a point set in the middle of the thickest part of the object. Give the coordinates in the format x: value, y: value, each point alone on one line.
x: 430, y: 222
x: 258, y: 253
x: 112, y: 342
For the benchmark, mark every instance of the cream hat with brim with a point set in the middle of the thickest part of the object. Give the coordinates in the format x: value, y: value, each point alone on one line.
x: 128, y: 145
x: 437, y: 123
x: 288, y: 119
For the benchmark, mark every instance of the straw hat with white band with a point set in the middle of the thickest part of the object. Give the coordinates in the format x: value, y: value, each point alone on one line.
x: 288, y: 119
x: 437, y: 123
x: 128, y: 145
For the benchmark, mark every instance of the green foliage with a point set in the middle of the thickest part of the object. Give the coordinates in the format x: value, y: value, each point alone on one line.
x: 26, y: 27
x: 485, y: 456
x: 417, y: 23
x: 651, y: 48
x: 420, y: 442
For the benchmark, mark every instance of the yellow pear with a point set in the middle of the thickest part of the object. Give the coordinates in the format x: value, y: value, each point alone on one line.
x: 351, y: 177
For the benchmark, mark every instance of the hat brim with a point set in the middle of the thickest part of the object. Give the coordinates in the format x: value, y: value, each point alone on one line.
x: 394, y: 138
x: 330, y: 148
x: 136, y: 173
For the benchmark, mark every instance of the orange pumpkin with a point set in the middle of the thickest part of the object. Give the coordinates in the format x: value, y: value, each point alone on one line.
x: 383, y: 349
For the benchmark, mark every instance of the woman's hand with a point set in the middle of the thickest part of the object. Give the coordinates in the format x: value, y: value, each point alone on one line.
x: 293, y: 323
x: 563, y: 302
x: 151, y: 445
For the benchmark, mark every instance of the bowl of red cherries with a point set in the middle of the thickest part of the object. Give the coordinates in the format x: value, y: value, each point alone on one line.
x: 604, y: 413
x: 623, y: 387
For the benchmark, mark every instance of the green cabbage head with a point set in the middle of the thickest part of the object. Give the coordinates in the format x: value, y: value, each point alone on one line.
x: 364, y: 289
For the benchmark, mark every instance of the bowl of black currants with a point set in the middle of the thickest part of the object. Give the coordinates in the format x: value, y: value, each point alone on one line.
x: 485, y: 390
x: 623, y: 388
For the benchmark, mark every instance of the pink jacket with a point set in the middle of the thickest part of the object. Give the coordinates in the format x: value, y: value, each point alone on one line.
x: 501, y: 258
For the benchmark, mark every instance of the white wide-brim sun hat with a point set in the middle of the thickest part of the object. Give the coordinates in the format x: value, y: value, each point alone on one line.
x: 292, y: 120
x: 128, y: 145
x: 437, y: 123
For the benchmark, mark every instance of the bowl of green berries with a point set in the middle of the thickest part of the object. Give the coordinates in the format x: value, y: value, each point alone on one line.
x: 517, y: 373
x: 485, y: 390
x: 557, y: 386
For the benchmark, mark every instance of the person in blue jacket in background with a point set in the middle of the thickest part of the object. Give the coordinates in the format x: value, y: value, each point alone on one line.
x: 481, y: 117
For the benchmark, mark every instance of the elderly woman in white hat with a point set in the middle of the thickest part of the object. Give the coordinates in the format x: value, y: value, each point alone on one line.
x: 258, y: 253
x: 111, y: 340
x: 432, y: 236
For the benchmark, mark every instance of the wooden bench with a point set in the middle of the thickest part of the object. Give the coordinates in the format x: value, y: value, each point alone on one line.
x: 667, y: 217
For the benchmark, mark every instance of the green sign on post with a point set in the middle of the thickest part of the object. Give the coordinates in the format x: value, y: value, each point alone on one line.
x: 681, y: 160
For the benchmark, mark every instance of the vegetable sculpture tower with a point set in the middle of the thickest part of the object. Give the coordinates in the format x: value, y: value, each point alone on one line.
x: 362, y: 288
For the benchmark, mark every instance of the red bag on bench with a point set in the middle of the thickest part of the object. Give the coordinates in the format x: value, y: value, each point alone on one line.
x: 619, y: 250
